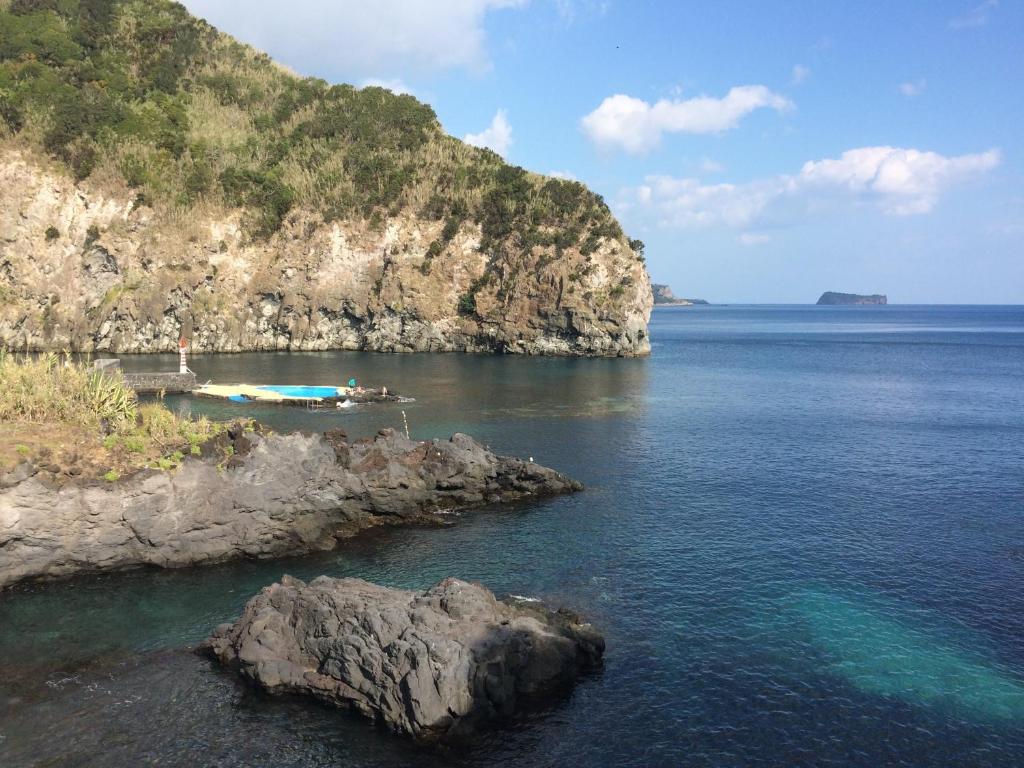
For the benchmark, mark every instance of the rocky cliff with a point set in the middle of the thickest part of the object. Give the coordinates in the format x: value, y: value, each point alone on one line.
x: 436, y: 665
x: 264, y: 496
x: 159, y: 179
x: 90, y: 270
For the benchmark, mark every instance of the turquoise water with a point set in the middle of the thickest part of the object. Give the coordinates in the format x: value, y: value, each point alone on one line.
x: 803, y: 534
x: 303, y: 391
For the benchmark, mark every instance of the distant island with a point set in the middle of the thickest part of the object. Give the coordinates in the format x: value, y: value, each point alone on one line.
x: 832, y: 298
x: 663, y: 297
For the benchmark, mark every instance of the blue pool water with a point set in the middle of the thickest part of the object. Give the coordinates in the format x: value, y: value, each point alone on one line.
x: 803, y: 535
x: 301, y: 391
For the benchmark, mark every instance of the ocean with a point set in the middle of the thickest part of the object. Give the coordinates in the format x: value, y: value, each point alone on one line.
x: 802, y: 534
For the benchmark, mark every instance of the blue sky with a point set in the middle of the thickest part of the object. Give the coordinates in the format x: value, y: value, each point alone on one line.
x: 764, y: 152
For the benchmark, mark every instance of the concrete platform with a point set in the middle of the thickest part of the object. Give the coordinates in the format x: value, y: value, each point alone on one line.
x: 170, y: 383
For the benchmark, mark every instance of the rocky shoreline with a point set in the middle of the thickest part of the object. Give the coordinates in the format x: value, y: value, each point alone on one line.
x: 251, y: 494
x: 437, y: 665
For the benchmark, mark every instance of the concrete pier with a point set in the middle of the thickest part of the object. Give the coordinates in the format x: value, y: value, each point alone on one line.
x: 151, y: 383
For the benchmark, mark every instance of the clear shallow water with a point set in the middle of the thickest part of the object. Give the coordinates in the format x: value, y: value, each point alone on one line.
x: 803, y: 535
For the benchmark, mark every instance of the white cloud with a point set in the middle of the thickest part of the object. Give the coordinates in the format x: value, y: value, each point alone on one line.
x: 978, y: 16
x: 753, y: 238
x: 800, y: 74
x: 563, y: 175
x: 496, y: 136
x: 915, y: 88
x: 634, y: 125
x: 905, y: 181
x: 707, y: 165
x: 687, y: 203
x: 394, y: 85
x: 900, y: 182
x: 350, y: 39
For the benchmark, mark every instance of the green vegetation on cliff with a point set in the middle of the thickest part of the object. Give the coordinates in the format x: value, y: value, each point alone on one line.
x: 142, y: 91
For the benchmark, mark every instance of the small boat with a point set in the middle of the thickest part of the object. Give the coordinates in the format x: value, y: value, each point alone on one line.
x: 291, y: 394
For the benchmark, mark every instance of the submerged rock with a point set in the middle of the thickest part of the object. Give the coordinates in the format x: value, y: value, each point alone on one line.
x: 251, y: 495
x: 435, y: 664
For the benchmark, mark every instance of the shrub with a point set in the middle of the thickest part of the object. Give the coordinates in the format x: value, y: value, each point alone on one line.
x: 435, y: 208
x: 134, y: 444
x: 451, y: 228
x: 199, y: 179
x: 51, y: 388
x: 134, y: 171
x: 82, y: 158
x: 52, y: 233
x: 467, y: 301
x: 262, y: 191
x: 467, y: 304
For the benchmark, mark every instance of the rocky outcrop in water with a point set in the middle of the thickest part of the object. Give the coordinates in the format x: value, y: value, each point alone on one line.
x: 255, y: 495
x: 436, y: 665
x: 90, y: 269
x: 833, y: 298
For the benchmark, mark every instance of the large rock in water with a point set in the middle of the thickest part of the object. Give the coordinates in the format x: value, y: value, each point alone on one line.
x: 434, y: 664
x: 277, y: 495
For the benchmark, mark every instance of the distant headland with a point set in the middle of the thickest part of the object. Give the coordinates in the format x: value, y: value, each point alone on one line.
x: 831, y: 298
x: 663, y: 297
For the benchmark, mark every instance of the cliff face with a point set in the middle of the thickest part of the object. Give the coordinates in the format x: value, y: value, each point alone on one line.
x: 90, y: 269
x: 159, y: 179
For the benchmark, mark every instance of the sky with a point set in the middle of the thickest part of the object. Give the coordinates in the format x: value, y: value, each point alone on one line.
x: 765, y: 152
